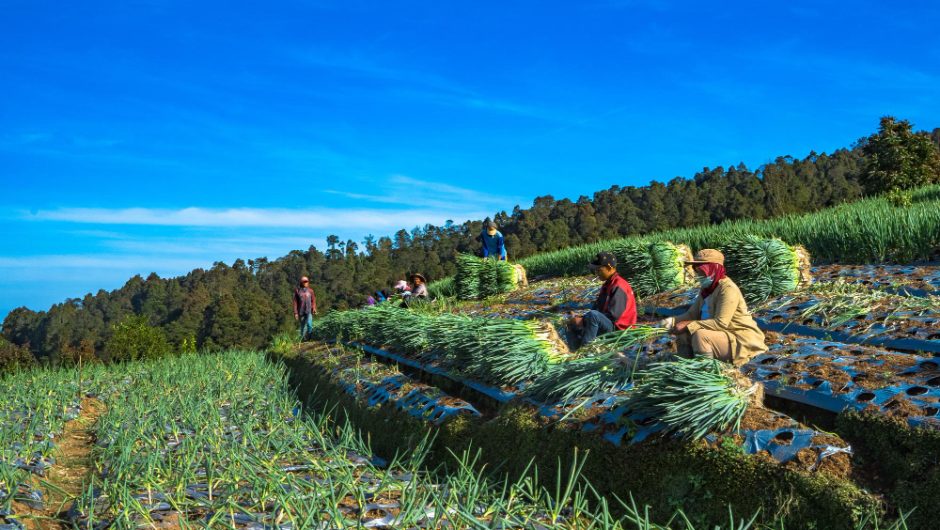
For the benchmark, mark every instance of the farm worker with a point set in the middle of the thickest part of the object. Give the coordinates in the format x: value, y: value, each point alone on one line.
x: 370, y: 300
x: 420, y: 286
x: 493, y: 242
x: 718, y: 324
x: 402, y: 288
x: 420, y: 289
x: 381, y: 296
x: 305, y: 306
x: 615, y: 307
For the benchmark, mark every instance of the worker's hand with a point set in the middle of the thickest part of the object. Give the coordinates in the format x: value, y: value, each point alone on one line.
x: 680, y: 326
x: 667, y: 323
x: 296, y: 316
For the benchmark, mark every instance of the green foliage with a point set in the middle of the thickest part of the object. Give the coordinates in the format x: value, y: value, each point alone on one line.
x: 188, y: 345
x: 650, y: 268
x: 14, y: 357
x: 133, y: 338
x: 896, y: 158
x: 904, y: 459
x: 479, y: 278
x: 692, y: 397
x: 900, y: 198
x: 762, y: 268
x: 285, y: 344
x: 661, y: 477
x: 446, y: 288
x: 604, y: 369
x: 866, y: 231
x: 494, y: 350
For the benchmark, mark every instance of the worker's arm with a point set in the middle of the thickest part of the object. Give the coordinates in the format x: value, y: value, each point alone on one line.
x: 617, y: 305
x: 502, y: 248
x: 296, y: 307
x: 486, y: 247
x: 726, y: 302
x: 313, y: 301
x: 694, y: 312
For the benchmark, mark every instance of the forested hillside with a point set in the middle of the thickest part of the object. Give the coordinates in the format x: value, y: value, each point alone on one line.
x: 246, y: 303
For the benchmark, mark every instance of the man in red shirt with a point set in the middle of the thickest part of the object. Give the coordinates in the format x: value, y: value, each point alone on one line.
x: 305, y: 306
x: 615, y: 307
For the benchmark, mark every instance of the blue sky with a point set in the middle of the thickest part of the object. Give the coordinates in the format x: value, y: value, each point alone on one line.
x: 145, y: 136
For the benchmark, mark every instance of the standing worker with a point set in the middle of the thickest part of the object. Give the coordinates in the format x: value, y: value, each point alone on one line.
x: 718, y: 324
x: 305, y: 306
x: 615, y: 307
x: 493, y: 242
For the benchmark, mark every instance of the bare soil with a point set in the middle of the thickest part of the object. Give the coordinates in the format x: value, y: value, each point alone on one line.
x: 67, y: 477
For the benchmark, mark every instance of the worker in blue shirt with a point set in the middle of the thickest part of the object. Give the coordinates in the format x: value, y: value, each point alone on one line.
x: 493, y: 242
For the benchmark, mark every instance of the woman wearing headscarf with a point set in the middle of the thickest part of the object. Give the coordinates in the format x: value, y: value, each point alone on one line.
x: 718, y: 323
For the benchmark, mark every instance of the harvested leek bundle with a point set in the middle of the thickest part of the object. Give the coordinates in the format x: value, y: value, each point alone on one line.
x: 479, y: 278
x: 652, y: 268
x: 468, y: 276
x: 604, y: 371
x: 497, y: 350
x: 694, y: 397
x: 763, y: 268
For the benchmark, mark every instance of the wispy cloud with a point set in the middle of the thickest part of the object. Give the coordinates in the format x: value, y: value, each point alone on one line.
x: 419, y: 84
x: 409, y: 191
x: 42, y: 264
x: 319, y: 218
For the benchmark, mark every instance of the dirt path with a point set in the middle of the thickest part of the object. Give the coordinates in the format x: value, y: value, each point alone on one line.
x: 73, y: 465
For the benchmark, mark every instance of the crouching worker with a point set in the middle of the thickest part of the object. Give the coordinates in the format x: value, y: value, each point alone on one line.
x: 718, y: 324
x: 615, y: 307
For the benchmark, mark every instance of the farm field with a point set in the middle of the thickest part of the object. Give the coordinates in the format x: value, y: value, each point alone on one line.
x: 477, y: 410
x: 220, y: 441
x: 849, y: 380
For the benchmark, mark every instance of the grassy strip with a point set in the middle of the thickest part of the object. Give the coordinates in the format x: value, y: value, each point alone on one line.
x: 903, y: 459
x: 866, y: 231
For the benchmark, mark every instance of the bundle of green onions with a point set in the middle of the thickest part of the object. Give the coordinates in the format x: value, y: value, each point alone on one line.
x: 497, y: 350
x: 479, y: 278
x: 468, y: 276
x: 651, y: 268
x: 494, y: 350
x: 764, y: 268
x: 693, y: 397
x: 606, y: 368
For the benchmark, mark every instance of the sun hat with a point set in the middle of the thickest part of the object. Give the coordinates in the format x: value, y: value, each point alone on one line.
x: 708, y: 255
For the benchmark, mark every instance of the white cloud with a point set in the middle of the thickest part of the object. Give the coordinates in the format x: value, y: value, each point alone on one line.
x: 359, y: 219
x: 404, y: 190
x: 37, y: 266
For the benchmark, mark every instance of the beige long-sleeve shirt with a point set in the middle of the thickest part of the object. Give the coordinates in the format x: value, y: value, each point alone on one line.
x: 726, y: 311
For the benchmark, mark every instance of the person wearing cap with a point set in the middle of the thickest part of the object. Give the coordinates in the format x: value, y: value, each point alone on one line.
x: 615, y: 307
x: 718, y: 323
x: 305, y: 306
x: 494, y: 244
